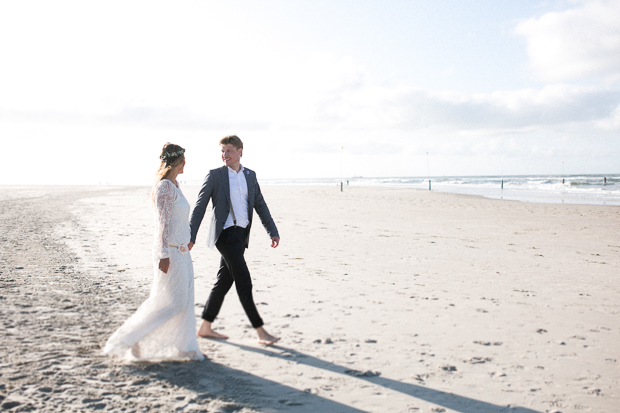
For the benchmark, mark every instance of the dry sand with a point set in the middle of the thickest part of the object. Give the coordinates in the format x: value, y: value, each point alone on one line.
x: 387, y: 300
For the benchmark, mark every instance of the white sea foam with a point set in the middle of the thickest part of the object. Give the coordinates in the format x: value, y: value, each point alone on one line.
x: 570, y: 189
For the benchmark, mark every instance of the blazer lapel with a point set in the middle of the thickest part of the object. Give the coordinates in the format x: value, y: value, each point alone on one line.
x: 248, y: 176
x: 226, y: 183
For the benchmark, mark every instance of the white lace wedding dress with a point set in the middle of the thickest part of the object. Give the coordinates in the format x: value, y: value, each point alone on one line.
x: 164, y: 326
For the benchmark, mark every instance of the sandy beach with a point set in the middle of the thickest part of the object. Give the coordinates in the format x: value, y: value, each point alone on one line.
x: 387, y: 300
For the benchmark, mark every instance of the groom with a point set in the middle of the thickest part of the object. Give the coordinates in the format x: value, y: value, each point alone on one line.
x: 235, y: 194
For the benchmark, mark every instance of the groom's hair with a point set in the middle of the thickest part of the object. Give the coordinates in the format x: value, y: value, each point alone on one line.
x: 232, y: 140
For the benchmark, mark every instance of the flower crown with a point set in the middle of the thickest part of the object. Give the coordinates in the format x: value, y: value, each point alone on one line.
x: 171, y: 154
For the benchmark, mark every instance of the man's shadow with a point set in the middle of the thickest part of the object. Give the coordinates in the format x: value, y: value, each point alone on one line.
x: 213, y: 381
x: 448, y: 400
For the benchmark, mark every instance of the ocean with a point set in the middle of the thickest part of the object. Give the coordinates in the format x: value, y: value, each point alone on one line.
x: 568, y: 189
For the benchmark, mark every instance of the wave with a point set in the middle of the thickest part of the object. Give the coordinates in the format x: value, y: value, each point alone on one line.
x: 583, y: 189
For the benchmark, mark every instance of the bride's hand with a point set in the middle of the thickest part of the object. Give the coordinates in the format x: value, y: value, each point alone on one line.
x: 164, y: 264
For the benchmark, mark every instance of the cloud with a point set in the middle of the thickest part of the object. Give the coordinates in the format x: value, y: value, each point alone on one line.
x: 331, y: 97
x: 370, y: 108
x: 612, y: 123
x: 526, y: 108
x: 576, y: 43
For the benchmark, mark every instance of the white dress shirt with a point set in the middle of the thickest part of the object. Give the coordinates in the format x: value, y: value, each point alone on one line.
x: 239, y: 197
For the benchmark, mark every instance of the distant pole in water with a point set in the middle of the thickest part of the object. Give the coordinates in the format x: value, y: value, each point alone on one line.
x: 562, y: 171
x: 502, y: 175
x: 604, y: 181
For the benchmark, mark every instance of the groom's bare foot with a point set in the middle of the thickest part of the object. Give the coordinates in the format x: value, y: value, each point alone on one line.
x: 265, y: 338
x: 205, y: 331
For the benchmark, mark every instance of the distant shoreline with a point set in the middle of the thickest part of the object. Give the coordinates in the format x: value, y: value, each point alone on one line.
x: 576, y: 190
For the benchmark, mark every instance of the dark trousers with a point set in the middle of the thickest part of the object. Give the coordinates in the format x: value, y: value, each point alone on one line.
x: 233, y: 269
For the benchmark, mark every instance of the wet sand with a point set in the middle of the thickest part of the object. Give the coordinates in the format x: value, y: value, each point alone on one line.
x: 387, y: 300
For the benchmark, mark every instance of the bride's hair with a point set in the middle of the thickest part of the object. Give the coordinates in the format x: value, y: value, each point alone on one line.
x: 171, y: 156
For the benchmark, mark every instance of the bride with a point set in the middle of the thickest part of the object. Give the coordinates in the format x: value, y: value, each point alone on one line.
x: 164, y: 327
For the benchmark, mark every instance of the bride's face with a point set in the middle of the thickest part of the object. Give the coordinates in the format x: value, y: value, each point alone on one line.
x: 179, y: 167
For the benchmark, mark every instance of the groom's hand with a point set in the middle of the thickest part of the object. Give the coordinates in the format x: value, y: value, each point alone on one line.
x: 275, y: 241
x: 190, y: 246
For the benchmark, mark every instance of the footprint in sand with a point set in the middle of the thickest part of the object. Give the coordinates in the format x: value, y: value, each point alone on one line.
x: 478, y: 360
x: 488, y: 343
x: 367, y: 373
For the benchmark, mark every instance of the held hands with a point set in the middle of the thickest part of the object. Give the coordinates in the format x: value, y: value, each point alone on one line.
x: 164, y: 264
x: 275, y: 241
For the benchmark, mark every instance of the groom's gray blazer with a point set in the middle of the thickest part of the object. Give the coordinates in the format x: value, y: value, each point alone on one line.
x: 216, y: 187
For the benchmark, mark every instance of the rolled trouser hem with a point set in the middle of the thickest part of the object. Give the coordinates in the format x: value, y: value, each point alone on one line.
x: 254, y: 325
x: 207, y: 318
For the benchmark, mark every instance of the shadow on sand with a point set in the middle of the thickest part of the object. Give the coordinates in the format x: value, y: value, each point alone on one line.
x: 447, y: 400
x: 235, y: 389
x: 219, y: 388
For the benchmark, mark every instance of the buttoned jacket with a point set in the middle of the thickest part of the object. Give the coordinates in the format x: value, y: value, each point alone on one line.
x: 216, y: 188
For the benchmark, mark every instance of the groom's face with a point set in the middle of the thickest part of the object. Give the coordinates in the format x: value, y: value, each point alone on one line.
x: 231, y: 156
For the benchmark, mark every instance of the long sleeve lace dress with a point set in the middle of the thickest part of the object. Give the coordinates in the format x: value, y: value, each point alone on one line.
x: 164, y: 326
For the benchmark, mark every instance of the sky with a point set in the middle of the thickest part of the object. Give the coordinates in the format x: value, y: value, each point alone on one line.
x: 90, y: 91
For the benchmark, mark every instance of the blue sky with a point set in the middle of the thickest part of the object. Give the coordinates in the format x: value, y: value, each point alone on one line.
x: 90, y: 91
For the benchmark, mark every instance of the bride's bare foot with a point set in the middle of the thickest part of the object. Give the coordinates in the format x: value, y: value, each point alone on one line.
x: 265, y: 338
x: 205, y: 331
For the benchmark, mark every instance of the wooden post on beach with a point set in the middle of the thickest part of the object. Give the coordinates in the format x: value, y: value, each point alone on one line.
x: 502, y: 175
x: 429, y: 184
x: 341, y: 186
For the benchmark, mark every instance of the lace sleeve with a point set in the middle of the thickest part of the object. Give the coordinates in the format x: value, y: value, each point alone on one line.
x: 164, y: 202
